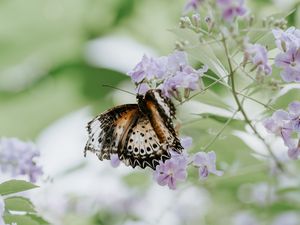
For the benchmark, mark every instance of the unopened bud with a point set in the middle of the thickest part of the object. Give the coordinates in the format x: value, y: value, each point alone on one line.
x: 196, y: 19
x: 187, y: 92
x: 251, y: 20
x: 176, y: 94
x: 283, y: 46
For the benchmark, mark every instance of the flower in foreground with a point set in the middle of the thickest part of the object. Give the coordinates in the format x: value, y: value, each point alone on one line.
x: 206, y: 162
x: 289, y: 58
x: 286, y: 124
x: 279, y: 124
x: 259, y: 57
x: 289, y: 61
x: 172, y: 170
x: 294, y: 114
x: 114, y: 160
x: 18, y: 158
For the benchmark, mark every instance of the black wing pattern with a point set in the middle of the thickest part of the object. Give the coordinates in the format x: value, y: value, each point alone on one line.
x: 141, y: 134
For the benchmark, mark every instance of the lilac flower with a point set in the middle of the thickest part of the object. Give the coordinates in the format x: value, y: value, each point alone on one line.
x: 146, y: 69
x: 259, y: 57
x: 192, y: 5
x: 187, y: 78
x: 294, y: 114
x: 279, y: 124
x: 18, y: 158
x: 289, y: 61
x: 232, y: 8
x: 172, y: 170
x: 286, y: 39
x: 114, y: 160
x: 186, y: 142
x: 142, y: 88
x: 168, y: 73
x: 206, y: 162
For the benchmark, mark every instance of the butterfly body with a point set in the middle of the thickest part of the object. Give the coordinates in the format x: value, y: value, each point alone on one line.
x: 141, y: 134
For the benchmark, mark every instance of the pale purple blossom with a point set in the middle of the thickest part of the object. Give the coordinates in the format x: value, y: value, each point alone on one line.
x: 285, y: 124
x: 285, y: 39
x: 259, y: 57
x: 142, y: 88
x: 280, y: 124
x: 187, y: 78
x: 168, y: 73
x: 114, y: 160
x: 294, y: 114
x: 19, y: 158
x: 232, y: 8
x: 206, y: 162
x: 186, y: 142
x: 289, y: 61
x: 146, y: 69
x: 172, y: 170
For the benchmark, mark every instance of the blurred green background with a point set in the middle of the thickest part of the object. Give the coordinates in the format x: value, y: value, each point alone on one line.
x: 50, y: 66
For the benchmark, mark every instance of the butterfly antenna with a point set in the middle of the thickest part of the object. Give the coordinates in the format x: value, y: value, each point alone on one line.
x: 119, y: 89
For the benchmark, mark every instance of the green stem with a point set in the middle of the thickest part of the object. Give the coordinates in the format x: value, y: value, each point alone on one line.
x: 241, y: 109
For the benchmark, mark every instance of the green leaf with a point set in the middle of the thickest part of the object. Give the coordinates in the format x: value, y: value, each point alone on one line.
x: 288, y: 190
x: 234, y: 123
x: 38, y: 219
x: 15, y: 186
x: 20, y: 220
x: 19, y: 204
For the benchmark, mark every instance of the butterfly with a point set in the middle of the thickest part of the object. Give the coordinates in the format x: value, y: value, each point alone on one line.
x: 140, y: 134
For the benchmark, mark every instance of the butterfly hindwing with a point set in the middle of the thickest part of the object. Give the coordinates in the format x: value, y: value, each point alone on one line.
x: 143, y: 147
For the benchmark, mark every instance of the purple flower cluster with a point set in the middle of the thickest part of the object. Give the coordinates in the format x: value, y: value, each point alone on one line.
x: 18, y: 158
x: 168, y: 73
x: 289, y: 58
x: 175, y: 169
x: 231, y: 9
x: 168, y: 172
x: 258, y: 55
x: 206, y: 162
x: 287, y: 124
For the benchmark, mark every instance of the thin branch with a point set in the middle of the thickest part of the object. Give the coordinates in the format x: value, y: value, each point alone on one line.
x: 220, y: 131
x: 200, y: 92
x: 241, y: 109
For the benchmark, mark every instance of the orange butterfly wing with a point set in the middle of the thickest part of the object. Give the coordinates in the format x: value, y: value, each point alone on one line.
x: 141, y: 134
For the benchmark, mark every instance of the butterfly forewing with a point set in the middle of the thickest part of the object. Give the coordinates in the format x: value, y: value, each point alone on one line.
x: 160, y: 111
x: 107, y: 129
